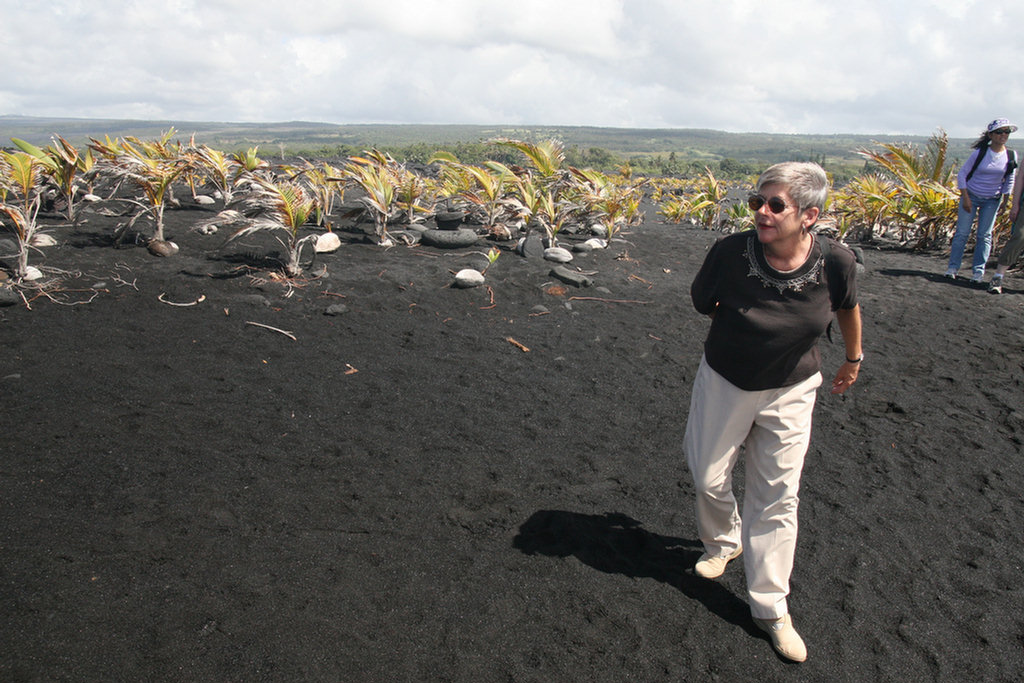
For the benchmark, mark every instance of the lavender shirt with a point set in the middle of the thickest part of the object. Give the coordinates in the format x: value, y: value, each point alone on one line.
x: 988, y: 180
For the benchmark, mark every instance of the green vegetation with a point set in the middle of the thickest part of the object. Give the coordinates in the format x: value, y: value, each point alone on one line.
x: 281, y: 207
x: 20, y: 199
x: 899, y: 189
x: 152, y: 166
x: 293, y: 202
x: 909, y: 189
x: 650, y: 152
x: 61, y: 162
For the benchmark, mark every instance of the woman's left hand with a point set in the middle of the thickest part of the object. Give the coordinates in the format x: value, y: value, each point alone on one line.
x: 845, y: 378
x: 850, y: 326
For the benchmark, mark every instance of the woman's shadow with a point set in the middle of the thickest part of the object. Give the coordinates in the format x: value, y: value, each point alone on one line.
x: 617, y: 544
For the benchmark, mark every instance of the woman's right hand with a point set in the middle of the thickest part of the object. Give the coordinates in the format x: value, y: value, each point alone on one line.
x: 965, y: 202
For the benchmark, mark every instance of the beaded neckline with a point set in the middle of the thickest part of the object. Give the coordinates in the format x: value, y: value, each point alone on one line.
x: 802, y: 277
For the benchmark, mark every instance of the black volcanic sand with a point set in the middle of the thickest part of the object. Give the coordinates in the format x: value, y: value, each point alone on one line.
x: 439, y: 484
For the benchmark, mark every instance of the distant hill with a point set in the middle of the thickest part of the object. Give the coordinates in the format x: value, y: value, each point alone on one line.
x: 295, y: 137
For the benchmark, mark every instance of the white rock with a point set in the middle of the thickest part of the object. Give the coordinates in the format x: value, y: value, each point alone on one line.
x: 326, y: 243
x: 558, y: 254
x: 92, y: 198
x: 596, y: 243
x: 468, y: 277
x: 204, y: 200
x: 207, y: 229
x: 32, y: 273
x: 162, y: 248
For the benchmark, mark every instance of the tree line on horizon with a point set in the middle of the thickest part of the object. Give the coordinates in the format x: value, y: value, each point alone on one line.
x: 661, y: 152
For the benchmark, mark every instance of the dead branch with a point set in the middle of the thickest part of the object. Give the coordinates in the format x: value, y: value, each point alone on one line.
x: 518, y: 345
x: 202, y: 297
x: 53, y: 299
x: 272, y: 329
x: 607, y: 301
x: 120, y: 282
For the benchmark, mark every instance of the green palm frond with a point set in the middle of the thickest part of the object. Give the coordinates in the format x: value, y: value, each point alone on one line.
x: 249, y: 161
x: 22, y: 171
x: 152, y: 166
x: 371, y: 173
x: 546, y: 157
x: 488, y: 185
x: 282, y: 208
x: 921, y: 191
x: 219, y: 168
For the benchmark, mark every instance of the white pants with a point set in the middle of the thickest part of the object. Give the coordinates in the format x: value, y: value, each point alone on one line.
x: 774, y: 426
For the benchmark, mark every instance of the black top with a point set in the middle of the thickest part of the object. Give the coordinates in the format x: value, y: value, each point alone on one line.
x: 766, y: 324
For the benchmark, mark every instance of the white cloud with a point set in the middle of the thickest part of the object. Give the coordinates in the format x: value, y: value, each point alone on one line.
x: 792, y: 66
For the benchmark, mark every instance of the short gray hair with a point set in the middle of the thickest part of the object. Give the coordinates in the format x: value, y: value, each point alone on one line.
x: 805, y: 182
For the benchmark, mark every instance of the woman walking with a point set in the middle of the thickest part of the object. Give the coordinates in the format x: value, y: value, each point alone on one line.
x: 984, y: 180
x: 1012, y: 251
x: 771, y: 293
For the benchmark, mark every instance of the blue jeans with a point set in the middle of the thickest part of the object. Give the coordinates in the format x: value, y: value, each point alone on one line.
x: 985, y: 210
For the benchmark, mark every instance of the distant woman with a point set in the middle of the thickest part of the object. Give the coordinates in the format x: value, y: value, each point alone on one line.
x: 984, y: 180
x: 1012, y: 251
x: 771, y: 293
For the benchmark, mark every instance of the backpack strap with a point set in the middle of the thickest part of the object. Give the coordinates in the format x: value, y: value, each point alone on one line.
x: 977, y: 161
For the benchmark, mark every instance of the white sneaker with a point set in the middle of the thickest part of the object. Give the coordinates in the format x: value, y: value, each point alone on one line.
x: 713, y: 567
x: 786, y: 641
x: 996, y: 286
x: 977, y: 279
x: 951, y: 274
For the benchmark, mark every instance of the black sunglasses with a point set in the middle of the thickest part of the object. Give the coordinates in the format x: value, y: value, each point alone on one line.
x: 1002, y: 131
x: 775, y: 204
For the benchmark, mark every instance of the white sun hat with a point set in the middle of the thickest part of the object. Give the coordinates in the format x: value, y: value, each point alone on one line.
x: 1001, y: 123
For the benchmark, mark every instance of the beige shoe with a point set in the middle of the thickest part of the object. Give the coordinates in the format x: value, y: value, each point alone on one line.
x: 713, y: 567
x: 786, y: 641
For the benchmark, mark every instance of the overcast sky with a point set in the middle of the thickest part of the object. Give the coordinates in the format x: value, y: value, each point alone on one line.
x: 790, y: 66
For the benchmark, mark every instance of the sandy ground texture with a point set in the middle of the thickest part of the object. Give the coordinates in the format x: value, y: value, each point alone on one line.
x: 423, y: 483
